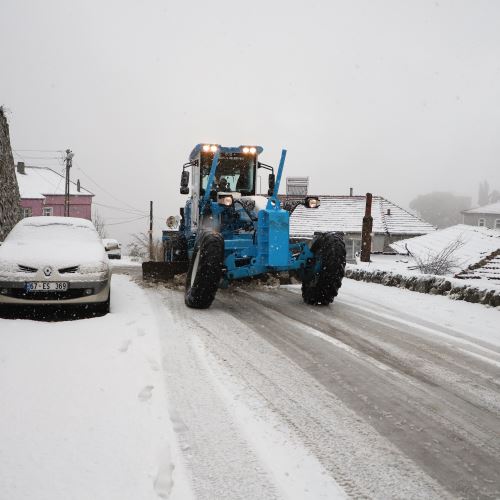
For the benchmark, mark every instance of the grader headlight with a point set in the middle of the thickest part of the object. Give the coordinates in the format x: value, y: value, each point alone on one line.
x: 225, y: 200
x: 312, y: 202
x: 207, y: 148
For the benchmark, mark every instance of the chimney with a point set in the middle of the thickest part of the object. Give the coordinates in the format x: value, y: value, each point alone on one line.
x: 297, y: 186
x: 78, y: 185
x: 20, y: 167
x: 351, y: 190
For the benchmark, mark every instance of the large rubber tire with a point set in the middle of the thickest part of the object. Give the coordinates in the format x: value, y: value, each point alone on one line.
x: 321, y: 287
x: 205, y: 271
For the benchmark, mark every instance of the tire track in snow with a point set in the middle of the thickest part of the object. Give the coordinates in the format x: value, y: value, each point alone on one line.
x: 364, y: 463
x: 220, y: 462
x: 449, y: 435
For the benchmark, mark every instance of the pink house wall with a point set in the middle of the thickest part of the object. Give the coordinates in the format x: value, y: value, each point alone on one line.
x: 35, y: 205
x: 79, y: 206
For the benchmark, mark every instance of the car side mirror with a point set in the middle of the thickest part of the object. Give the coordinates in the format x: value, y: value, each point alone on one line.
x: 272, y: 182
x: 185, y: 182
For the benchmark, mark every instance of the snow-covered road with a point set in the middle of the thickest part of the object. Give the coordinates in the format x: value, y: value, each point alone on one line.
x: 386, y: 394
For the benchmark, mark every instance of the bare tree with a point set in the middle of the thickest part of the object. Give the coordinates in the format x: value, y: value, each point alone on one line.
x: 99, y: 223
x: 440, y: 263
x: 139, y: 247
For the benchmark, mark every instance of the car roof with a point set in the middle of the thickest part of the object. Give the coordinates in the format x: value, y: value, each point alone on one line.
x: 54, y: 220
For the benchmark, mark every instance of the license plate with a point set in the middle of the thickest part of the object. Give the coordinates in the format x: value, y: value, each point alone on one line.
x: 46, y: 286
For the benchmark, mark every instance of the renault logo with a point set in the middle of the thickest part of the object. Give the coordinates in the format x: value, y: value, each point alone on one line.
x: 47, y: 271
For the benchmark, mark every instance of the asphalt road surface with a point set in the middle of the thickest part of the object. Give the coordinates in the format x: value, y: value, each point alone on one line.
x: 392, y: 405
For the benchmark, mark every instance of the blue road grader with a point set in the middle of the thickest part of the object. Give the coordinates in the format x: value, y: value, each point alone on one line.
x: 228, y: 232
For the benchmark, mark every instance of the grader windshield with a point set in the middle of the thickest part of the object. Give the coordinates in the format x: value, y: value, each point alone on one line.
x: 235, y: 173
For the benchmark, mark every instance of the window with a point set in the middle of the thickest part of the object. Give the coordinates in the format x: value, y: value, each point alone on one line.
x: 481, y: 223
x: 47, y: 210
x: 497, y: 223
x: 27, y: 212
x: 234, y: 173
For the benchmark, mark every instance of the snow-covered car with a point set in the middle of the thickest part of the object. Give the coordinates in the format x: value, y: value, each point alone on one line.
x: 54, y: 260
x: 113, y: 248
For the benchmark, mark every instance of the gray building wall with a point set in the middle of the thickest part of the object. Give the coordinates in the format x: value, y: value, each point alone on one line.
x: 491, y: 221
x: 380, y: 243
x: 9, y: 190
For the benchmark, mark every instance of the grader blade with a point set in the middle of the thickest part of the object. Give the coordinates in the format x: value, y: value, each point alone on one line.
x: 163, y: 271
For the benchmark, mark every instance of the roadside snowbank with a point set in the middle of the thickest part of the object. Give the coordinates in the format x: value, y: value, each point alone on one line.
x: 83, y: 412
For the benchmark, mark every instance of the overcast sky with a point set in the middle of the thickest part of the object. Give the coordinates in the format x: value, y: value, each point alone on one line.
x: 395, y: 97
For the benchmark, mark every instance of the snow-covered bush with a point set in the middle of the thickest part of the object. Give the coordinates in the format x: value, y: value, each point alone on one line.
x: 439, y: 263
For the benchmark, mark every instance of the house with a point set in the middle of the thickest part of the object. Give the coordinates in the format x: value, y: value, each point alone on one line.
x: 42, y: 193
x: 487, y: 216
x: 345, y: 214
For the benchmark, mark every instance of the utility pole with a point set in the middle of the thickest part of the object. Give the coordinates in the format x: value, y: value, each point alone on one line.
x: 69, y: 163
x: 151, y: 230
x: 366, y: 232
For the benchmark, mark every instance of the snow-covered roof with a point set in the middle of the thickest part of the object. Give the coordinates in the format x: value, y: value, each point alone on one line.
x: 492, y: 208
x: 38, y: 182
x: 345, y: 213
x: 477, y: 243
x: 488, y: 269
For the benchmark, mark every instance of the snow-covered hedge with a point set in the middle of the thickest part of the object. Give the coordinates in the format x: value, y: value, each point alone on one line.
x: 436, y: 285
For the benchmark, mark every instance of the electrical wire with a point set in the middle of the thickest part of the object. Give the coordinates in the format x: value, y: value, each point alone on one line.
x: 131, y: 210
x: 124, y: 210
x: 107, y: 192
x: 37, y: 157
x: 126, y: 222
x: 40, y: 150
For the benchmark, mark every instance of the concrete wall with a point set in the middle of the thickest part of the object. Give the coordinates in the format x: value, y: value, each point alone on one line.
x: 491, y: 221
x: 9, y: 191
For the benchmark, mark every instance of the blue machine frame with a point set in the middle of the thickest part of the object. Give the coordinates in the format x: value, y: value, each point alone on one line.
x: 266, y: 248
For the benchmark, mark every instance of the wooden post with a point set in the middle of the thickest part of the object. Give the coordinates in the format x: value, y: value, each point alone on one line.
x: 69, y: 163
x: 366, y: 232
x: 151, y: 256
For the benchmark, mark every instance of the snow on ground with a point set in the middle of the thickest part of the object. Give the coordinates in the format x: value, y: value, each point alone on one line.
x: 234, y: 451
x: 460, y: 319
x: 126, y: 260
x: 83, y: 413
x: 158, y: 401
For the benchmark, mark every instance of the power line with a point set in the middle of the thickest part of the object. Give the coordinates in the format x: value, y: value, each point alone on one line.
x: 37, y: 157
x: 124, y: 210
x: 40, y: 150
x: 107, y: 192
x: 127, y: 221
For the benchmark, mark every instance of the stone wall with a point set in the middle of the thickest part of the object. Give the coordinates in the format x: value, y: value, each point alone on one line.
x: 435, y: 285
x: 9, y: 191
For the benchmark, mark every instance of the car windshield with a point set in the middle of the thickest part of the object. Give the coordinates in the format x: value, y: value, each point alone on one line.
x: 236, y: 173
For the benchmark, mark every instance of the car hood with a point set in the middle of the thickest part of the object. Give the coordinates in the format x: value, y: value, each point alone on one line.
x: 56, y: 253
